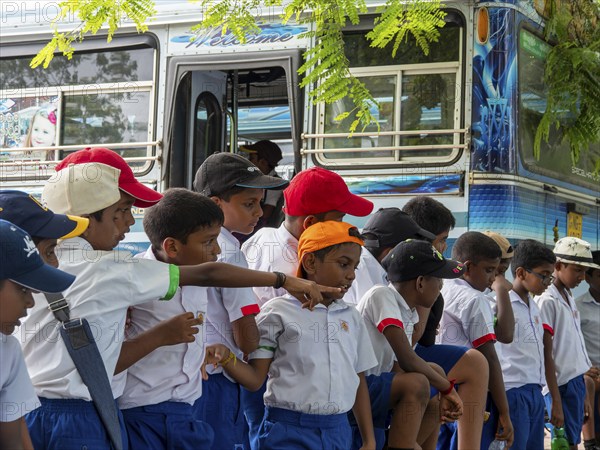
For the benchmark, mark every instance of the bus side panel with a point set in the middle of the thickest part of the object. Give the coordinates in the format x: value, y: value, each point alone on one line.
x: 520, y: 213
x: 494, y: 91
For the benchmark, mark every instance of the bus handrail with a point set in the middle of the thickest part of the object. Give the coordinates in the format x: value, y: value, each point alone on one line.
x: 113, y: 145
x: 307, y: 136
x: 390, y: 148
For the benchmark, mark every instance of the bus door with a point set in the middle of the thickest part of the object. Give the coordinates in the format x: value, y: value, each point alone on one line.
x: 226, y: 101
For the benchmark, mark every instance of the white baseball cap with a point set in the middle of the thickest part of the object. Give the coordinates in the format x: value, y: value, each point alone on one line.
x: 82, y: 189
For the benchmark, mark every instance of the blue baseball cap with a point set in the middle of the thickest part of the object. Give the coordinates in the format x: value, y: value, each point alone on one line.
x: 21, y: 262
x: 25, y: 211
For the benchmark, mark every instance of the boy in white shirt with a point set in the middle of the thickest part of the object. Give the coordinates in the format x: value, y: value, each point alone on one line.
x: 237, y: 187
x: 415, y: 270
x: 523, y: 359
x: 161, y: 388
x: 588, y: 305
x: 315, y: 359
x: 22, y: 271
x: 108, y: 282
x: 566, y: 358
x: 468, y: 320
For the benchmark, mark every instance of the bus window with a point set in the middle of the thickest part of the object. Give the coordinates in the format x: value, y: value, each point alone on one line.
x: 207, y: 127
x: 100, y: 98
x: 414, y: 93
x: 555, y: 155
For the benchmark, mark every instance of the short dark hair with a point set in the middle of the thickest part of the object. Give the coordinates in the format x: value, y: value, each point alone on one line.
x: 530, y: 254
x: 320, y: 254
x: 475, y: 246
x: 178, y: 214
x: 430, y: 214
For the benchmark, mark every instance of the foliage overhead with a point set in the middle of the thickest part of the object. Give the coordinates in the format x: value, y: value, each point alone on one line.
x: 93, y: 15
x: 572, y: 75
x: 325, y: 66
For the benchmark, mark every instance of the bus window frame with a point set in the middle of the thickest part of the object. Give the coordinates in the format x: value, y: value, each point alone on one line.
x: 92, y: 45
x: 461, y: 135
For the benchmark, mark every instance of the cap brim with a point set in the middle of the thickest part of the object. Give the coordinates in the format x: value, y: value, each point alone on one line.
x: 356, y: 206
x: 143, y: 195
x: 579, y: 263
x: 451, y: 269
x: 265, y: 182
x: 426, y: 234
x: 45, y: 279
x: 63, y: 226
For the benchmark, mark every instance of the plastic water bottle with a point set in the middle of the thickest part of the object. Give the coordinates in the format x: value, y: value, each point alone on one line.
x: 559, y: 440
x: 497, y: 445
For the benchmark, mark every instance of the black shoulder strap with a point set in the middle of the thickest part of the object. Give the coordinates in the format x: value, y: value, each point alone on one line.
x: 80, y: 344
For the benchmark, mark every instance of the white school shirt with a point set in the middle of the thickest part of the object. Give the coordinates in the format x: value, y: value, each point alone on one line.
x: 17, y: 396
x: 271, y: 249
x: 170, y: 373
x: 568, y: 347
x: 523, y: 359
x: 368, y: 274
x: 107, y: 283
x: 226, y: 305
x: 381, y: 307
x: 589, y: 318
x: 467, y: 319
x: 316, y: 355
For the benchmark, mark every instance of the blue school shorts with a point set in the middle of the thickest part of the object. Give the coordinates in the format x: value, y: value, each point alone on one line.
x: 572, y: 395
x: 167, y: 425
x: 283, y: 429
x: 220, y: 407
x: 380, y: 387
x: 69, y: 424
x: 253, y: 405
x: 526, y: 406
x: 445, y: 356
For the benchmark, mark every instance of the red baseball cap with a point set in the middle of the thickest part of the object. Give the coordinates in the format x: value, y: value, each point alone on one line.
x: 144, y: 196
x: 317, y: 190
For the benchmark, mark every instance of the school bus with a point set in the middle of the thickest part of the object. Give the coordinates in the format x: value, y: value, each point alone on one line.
x: 457, y: 124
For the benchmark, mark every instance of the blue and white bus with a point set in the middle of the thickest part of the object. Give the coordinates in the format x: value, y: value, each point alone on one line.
x: 457, y: 124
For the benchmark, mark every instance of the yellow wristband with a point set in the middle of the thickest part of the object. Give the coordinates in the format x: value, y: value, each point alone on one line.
x: 228, y: 359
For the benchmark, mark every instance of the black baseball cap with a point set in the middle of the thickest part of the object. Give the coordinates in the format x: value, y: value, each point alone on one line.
x: 413, y: 258
x: 266, y: 150
x: 222, y: 171
x: 391, y: 226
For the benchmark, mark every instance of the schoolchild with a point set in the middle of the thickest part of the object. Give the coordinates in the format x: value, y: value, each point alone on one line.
x: 465, y: 365
x: 266, y: 156
x: 22, y: 271
x: 315, y: 359
x: 314, y: 195
x: 504, y: 319
x: 588, y: 305
x: 161, y: 388
x: 108, y: 282
x: 277, y: 248
x: 522, y: 360
x: 566, y: 358
x: 237, y: 187
x: 415, y: 270
x: 468, y: 320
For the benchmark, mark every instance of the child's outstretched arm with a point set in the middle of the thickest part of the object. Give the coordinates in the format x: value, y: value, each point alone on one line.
x: 496, y: 387
x: 362, y: 414
x: 505, y: 326
x: 557, y: 417
x: 251, y: 375
x: 177, y: 330
x: 228, y: 275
